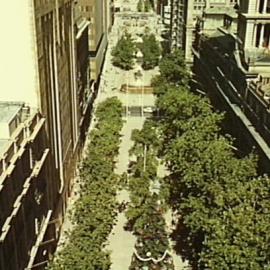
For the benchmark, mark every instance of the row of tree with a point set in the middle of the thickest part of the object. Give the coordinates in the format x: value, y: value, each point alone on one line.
x: 96, y: 208
x: 223, y: 206
x: 125, y: 52
x: 145, y: 212
x: 144, y: 6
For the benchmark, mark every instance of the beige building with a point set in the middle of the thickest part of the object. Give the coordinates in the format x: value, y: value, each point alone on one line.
x: 254, y: 24
x: 45, y: 68
x: 185, y: 16
x: 27, y: 188
x: 100, y: 15
x: 232, y: 65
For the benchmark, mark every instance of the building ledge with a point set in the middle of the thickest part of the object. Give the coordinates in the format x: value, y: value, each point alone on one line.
x: 40, y: 238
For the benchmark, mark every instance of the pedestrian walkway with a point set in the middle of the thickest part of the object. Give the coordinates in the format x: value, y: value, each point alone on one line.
x: 121, y: 243
x: 179, y: 264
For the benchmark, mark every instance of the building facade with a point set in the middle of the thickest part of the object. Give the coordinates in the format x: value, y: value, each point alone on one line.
x: 186, y: 14
x: 27, y: 188
x: 100, y: 13
x: 233, y: 67
x: 49, y: 75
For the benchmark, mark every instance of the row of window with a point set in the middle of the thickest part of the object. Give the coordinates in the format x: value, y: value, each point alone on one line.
x: 85, y: 8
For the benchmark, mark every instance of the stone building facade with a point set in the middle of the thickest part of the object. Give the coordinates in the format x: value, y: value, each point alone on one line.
x: 100, y: 13
x: 233, y: 67
x: 185, y: 16
x: 50, y: 76
x: 27, y: 188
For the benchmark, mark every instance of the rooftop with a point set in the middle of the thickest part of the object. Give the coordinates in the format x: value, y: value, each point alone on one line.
x: 221, y: 10
x: 8, y: 110
x: 3, y: 144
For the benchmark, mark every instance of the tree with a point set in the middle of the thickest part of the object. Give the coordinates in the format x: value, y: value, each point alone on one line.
x: 145, y: 213
x: 140, y: 6
x: 173, y: 68
x: 220, y: 200
x: 147, y: 5
x: 95, y: 212
x: 124, y: 52
x: 151, y: 51
x: 239, y: 238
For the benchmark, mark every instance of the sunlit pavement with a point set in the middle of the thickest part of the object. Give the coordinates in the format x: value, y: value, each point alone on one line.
x: 121, y: 242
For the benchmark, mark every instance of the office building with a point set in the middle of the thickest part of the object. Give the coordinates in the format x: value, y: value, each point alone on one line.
x: 100, y: 13
x: 233, y: 65
x: 185, y: 15
x: 45, y: 113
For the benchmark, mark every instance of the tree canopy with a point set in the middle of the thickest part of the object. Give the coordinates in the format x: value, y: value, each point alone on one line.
x: 173, y: 70
x: 95, y: 211
x: 151, y: 51
x: 145, y: 212
x: 124, y: 52
x: 220, y: 199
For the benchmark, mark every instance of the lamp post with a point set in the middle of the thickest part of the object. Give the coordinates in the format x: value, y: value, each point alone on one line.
x: 144, y: 157
x: 126, y: 96
x: 139, y: 56
x: 142, y: 88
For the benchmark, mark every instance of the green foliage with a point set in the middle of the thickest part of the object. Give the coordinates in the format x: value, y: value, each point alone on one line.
x: 95, y: 211
x: 145, y: 212
x: 184, y: 111
x: 124, y: 52
x: 146, y: 137
x: 239, y: 238
x: 173, y: 69
x: 220, y: 199
x: 147, y: 5
x: 151, y: 51
x: 140, y: 6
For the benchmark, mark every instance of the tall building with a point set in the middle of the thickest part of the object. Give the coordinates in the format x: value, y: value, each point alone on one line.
x: 254, y: 24
x: 185, y: 15
x: 44, y: 115
x: 232, y: 64
x: 183, y: 24
x: 100, y: 14
x: 27, y: 188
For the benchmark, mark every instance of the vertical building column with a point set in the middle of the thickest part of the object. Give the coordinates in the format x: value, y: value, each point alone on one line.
x: 253, y: 44
x: 250, y: 38
x: 264, y: 6
x: 268, y: 45
x: 261, y: 36
x: 189, y: 30
x: 257, y: 6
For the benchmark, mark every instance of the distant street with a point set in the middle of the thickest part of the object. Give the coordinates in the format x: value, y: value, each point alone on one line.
x: 136, y: 108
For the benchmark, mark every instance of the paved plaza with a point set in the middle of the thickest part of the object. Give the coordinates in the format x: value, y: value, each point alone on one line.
x: 121, y: 242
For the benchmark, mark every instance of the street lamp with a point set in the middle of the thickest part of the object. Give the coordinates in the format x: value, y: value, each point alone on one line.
x: 126, y: 96
x: 139, y: 57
